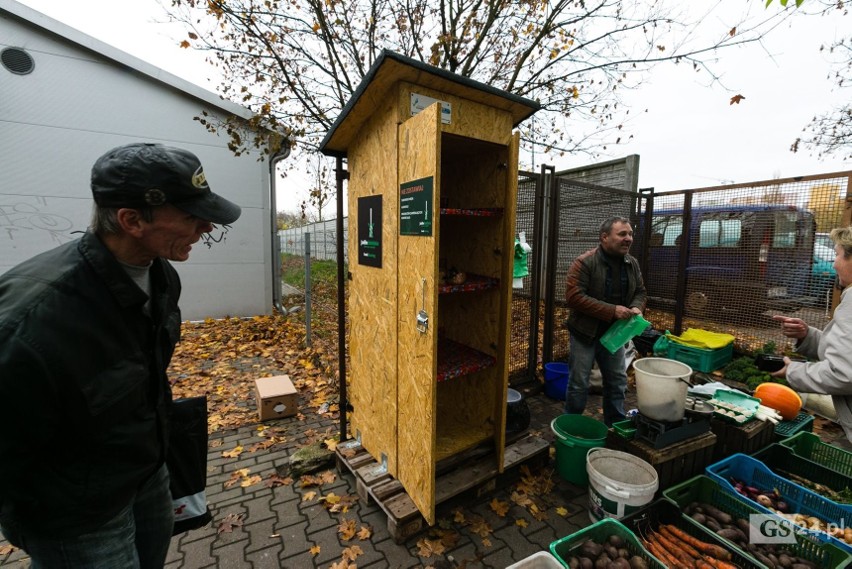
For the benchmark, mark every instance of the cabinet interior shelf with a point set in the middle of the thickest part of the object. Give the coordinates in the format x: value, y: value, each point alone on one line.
x: 471, y: 284
x: 457, y: 360
x: 473, y: 212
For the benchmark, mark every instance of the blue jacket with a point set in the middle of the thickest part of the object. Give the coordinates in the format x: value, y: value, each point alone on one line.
x: 83, y: 385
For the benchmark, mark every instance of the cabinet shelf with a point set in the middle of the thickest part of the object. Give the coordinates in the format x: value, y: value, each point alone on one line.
x: 473, y: 212
x: 473, y: 283
x: 457, y: 360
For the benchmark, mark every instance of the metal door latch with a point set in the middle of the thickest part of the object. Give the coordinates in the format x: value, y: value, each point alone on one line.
x: 422, y: 316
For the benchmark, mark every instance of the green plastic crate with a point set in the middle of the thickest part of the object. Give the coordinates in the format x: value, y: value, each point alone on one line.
x: 704, y: 489
x: 662, y: 511
x: 599, y: 532
x: 809, y: 446
x: 700, y: 359
x: 625, y: 429
x: 803, y: 422
x: 782, y: 460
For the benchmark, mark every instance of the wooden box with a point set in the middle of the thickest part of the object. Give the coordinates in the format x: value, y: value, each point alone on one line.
x: 674, y: 463
x: 747, y: 438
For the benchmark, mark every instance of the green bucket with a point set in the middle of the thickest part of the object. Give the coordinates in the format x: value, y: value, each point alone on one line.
x: 575, y: 436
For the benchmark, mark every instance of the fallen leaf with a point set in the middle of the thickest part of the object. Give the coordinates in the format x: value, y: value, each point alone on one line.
x: 352, y: 552
x: 236, y: 452
x: 562, y: 511
x: 308, y: 496
x: 521, y: 523
x: 365, y: 533
x: 499, y: 508
x: 230, y: 522
x: 315, y: 550
x: 251, y: 481
x: 346, y: 529
x: 429, y: 547
x: 736, y: 99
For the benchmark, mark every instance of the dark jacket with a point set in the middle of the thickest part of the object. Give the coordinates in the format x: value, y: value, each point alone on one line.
x: 585, y: 291
x: 83, y: 385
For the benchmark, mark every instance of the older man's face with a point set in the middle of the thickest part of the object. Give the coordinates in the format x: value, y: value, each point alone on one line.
x: 618, y: 240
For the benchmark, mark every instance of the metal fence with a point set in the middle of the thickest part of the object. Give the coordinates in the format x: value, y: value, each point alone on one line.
x: 323, y: 239
x: 753, y: 250
x: 728, y: 258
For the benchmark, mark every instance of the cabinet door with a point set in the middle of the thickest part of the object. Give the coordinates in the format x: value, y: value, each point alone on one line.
x: 419, y: 161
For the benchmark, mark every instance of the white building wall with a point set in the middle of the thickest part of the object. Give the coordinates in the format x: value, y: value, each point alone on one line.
x: 78, y: 103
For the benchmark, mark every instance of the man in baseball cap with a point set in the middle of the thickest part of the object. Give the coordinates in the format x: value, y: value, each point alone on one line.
x: 141, y: 174
x: 87, y: 331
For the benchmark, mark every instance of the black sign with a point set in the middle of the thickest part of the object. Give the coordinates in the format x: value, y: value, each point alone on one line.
x: 370, y: 231
x: 415, y: 207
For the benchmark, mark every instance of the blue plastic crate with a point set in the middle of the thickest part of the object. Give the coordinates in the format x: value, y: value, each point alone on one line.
x: 799, y: 499
x: 707, y: 490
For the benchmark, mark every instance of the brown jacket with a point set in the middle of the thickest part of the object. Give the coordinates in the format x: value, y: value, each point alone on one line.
x: 585, y: 290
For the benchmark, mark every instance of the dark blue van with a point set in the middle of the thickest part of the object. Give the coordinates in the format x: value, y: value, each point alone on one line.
x: 739, y: 257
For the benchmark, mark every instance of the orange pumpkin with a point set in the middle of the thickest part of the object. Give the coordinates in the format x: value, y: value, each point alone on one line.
x: 781, y: 398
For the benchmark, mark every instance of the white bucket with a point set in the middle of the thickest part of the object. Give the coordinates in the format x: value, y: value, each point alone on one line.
x: 619, y: 483
x: 661, y: 386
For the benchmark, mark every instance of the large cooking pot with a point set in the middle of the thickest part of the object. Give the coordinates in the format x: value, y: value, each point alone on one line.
x: 661, y: 386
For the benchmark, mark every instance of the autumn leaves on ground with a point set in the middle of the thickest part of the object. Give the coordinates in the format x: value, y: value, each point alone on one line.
x: 222, y: 358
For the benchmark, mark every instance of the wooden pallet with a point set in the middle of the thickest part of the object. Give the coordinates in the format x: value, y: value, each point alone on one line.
x: 473, y: 478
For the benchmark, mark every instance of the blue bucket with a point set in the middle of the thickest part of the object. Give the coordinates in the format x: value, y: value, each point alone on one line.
x: 556, y: 380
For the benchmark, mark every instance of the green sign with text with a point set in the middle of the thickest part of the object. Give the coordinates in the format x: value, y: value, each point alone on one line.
x: 415, y: 207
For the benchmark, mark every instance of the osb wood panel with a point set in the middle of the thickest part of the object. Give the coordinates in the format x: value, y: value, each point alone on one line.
x: 373, y: 291
x: 472, y: 244
x: 419, y: 157
x: 474, y: 172
x: 511, y: 197
x: 468, y: 118
x: 463, y: 420
x: 472, y: 318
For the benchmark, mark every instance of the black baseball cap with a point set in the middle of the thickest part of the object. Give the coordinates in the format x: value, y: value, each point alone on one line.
x: 145, y: 175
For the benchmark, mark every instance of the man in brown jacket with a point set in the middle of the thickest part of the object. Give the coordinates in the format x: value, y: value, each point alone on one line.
x: 604, y: 284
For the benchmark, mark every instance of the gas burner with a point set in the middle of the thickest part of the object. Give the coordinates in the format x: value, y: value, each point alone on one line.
x: 660, y: 434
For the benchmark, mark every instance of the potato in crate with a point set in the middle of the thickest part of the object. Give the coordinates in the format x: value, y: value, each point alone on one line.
x: 594, y: 541
x: 704, y: 502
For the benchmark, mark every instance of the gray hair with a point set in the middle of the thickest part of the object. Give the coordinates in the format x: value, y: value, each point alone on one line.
x: 105, y: 219
x: 606, y: 226
x: 843, y: 237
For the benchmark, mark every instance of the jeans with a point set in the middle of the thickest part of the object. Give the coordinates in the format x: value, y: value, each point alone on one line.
x: 137, y: 538
x: 580, y: 362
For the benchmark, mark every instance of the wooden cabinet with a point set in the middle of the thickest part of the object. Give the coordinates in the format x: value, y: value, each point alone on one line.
x: 429, y: 355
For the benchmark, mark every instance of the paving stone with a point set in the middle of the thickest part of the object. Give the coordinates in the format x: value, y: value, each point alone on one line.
x: 397, y: 555
x: 258, y: 508
x: 262, y: 534
x: 197, y: 554
x: 267, y: 558
x: 295, y: 539
x: 232, y: 556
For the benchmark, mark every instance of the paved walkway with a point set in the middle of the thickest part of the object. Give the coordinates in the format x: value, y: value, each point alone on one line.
x: 288, y: 527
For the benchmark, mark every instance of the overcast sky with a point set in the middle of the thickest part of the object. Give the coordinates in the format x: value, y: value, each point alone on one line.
x: 690, y: 137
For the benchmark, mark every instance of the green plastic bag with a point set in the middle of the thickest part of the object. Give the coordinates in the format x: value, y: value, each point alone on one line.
x: 622, y: 330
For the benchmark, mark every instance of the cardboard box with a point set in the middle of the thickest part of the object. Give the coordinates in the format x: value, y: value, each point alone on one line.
x: 276, y: 397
